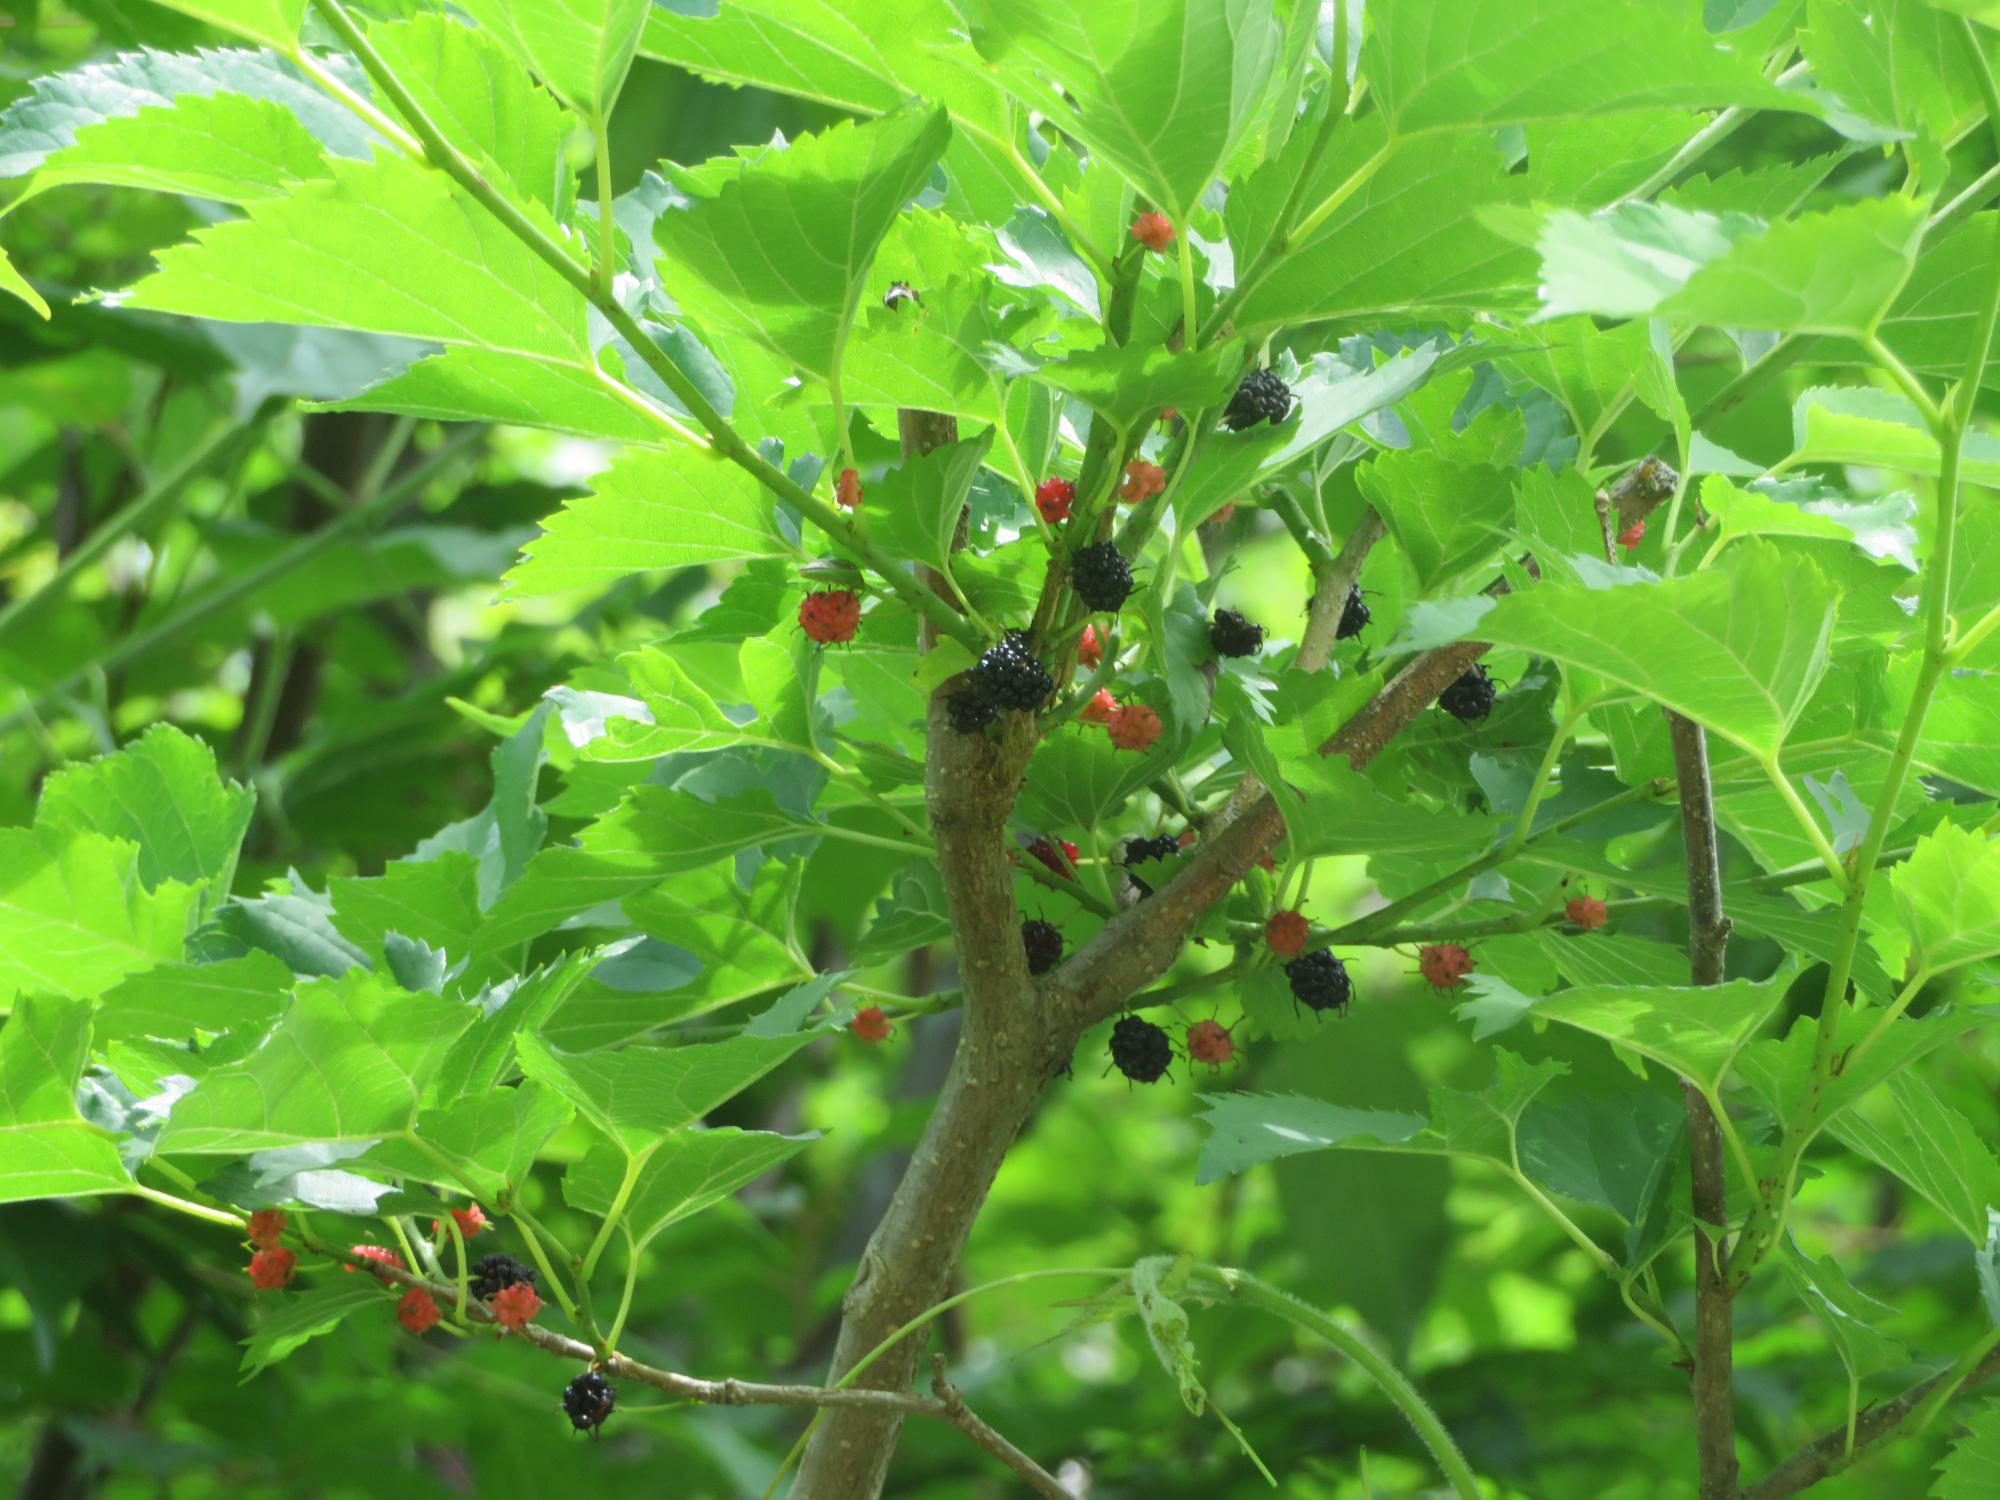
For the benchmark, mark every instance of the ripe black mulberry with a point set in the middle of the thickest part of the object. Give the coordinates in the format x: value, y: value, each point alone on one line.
x: 1319, y: 980
x: 1235, y: 634
x: 1138, y: 851
x: 970, y: 710
x: 1470, y: 698
x: 1043, y: 943
x: 1102, y: 577
x: 493, y: 1274
x: 1012, y: 676
x: 587, y: 1401
x: 1262, y: 397
x: 1140, y: 1050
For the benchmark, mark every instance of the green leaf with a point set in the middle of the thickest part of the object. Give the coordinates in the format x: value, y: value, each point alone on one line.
x: 435, y: 901
x: 642, y: 1093
x: 1901, y: 64
x: 924, y: 497
x: 349, y: 1061
x: 1697, y: 1033
x: 1245, y: 1129
x: 1447, y: 517
x: 485, y: 1144
x: 1132, y: 386
x: 173, y: 1001
x: 76, y: 917
x: 14, y: 283
x: 1604, y: 1149
x: 358, y: 251
x: 673, y: 714
x: 1164, y: 92
x: 272, y: 21
x: 1405, y: 236
x: 685, y: 1172
x: 1880, y: 527
x: 777, y: 248
x: 1930, y: 1146
x: 1971, y: 1471
x: 483, y: 104
x: 581, y: 48
x: 59, y: 105
x: 225, y: 147
x: 291, y: 1321
x: 1078, y: 780
x: 676, y: 509
x: 1833, y: 273
x: 1343, y: 812
x: 46, y: 1148
x: 297, y: 926
x: 1948, y: 895
x: 163, y: 793
x: 915, y: 917
x: 1780, y: 1073
x: 1472, y: 64
x: 1848, y: 1316
x: 1858, y: 425
x: 1739, y: 647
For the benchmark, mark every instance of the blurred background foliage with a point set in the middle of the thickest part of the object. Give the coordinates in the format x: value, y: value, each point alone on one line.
x: 355, y: 667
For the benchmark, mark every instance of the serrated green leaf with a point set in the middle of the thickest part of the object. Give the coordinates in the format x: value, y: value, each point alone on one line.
x: 1848, y: 1316
x: 1739, y: 647
x: 1245, y: 1129
x: 47, y: 1150
x: 14, y: 283
x: 1447, y: 517
x: 291, y: 1321
x: 1695, y: 1032
x: 348, y: 1061
x: 674, y: 509
x: 272, y: 21
x: 163, y: 793
x: 685, y: 1172
x: 640, y: 1094
x: 174, y: 1001
x: 483, y: 104
x: 924, y: 497
x: 1971, y: 1471
x: 1930, y: 1146
x: 1604, y: 1149
x: 581, y: 48
x: 1781, y: 1073
x: 225, y: 147
x: 1948, y: 895
x: 76, y: 916
x: 1880, y: 527
x: 484, y: 1144
x: 778, y: 247
x: 1164, y: 92
x: 1471, y: 64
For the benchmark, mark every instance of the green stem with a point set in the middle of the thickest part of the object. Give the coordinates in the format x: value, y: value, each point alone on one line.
x: 1808, y: 824
x: 624, y: 1297
x: 607, y: 226
x: 1538, y: 788
x: 1191, y: 339
x: 534, y: 1237
x: 1391, y: 1381
x: 194, y: 1210
x: 450, y: 1223
x: 723, y: 439
x: 126, y: 520
x: 614, y: 1215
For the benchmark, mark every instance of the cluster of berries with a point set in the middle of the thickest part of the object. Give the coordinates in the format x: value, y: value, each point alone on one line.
x: 1144, y: 1052
x: 1007, y: 676
x: 271, y: 1264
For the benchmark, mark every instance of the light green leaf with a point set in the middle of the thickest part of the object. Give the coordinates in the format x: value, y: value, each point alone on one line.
x: 642, y: 1093
x: 1948, y: 895
x: 1245, y: 1129
x: 485, y: 1144
x: 163, y: 793
x: 581, y: 48
x: 914, y: 917
x: 435, y: 901
x: 291, y: 1321
x: 58, y: 105
x: 492, y: 385
x: 349, y: 1061
x: 76, y: 916
x: 1695, y: 1032
x: 777, y: 248
x: 359, y: 251
x: 685, y: 1172
x: 1405, y: 236
x: 1835, y: 272
x: 272, y: 21
x: 1078, y: 780
x: 482, y: 102
x: 1971, y: 1471
x: 46, y: 1148
x: 173, y: 1001
x: 923, y: 498
x: 225, y: 147
x: 1164, y: 92
x: 1132, y: 386
x: 679, y: 715
x: 1605, y: 1149
x: 1343, y: 812
x: 1447, y: 517
x: 13, y: 282
x: 1930, y: 1146
x: 1739, y: 647
x: 1473, y: 64
x: 1780, y: 1073
x: 1901, y: 64
x: 1879, y: 527
x: 1848, y: 1316
x: 1862, y: 425
x: 674, y: 509
x: 297, y: 926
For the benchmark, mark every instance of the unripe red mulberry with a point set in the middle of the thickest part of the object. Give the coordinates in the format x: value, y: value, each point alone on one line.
x: 1142, y: 481
x: 1210, y: 1042
x: 830, y: 616
x: 1286, y: 933
x: 1586, y: 912
x: 381, y: 1255
x: 1100, y: 708
x: 847, y: 489
x: 1445, y: 965
x: 1132, y: 726
x: 1153, y: 230
x: 869, y: 1024
x: 1089, y: 650
x: 266, y: 1225
x: 418, y: 1311
x: 514, y: 1307
x: 1045, y: 851
x: 1632, y: 535
x: 271, y: 1269
x: 1053, y: 498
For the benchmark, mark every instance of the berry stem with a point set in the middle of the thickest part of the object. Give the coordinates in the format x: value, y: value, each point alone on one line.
x: 624, y: 1297
x: 190, y: 1208
x: 607, y: 228
x: 535, y: 1235
x: 449, y: 1222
